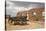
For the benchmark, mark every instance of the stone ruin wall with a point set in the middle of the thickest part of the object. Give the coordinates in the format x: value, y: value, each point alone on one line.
x: 31, y: 16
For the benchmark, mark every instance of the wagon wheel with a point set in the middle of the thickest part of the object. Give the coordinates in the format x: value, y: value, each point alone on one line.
x: 24, y: 22
x: 13, y: 22
x: 10, y: 21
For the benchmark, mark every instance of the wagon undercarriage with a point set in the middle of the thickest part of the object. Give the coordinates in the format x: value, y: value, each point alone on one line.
x: 18, y: 20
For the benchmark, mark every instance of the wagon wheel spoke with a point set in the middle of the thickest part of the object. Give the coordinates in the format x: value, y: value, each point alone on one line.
x: 13, y: 22
x: 9, y: 21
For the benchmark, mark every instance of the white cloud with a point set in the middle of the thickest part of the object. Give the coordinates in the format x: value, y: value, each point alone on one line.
x: 22, y: 8
x: 13, y: 8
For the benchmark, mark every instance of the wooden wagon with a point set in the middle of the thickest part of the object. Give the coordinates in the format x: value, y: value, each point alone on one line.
x: 18, y: 20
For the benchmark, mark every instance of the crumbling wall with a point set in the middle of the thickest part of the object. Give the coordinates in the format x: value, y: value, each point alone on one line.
x: 32, y: 17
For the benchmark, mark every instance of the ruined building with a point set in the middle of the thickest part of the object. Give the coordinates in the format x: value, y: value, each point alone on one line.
x: 35, y: 14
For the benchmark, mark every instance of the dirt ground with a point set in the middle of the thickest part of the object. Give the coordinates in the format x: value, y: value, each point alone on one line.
x: 32, y: 25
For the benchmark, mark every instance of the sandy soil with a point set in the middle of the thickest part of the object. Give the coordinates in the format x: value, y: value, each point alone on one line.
x: 32, y: 25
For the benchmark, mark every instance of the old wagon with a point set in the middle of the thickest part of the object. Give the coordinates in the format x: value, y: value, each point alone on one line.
x: 22, y: 20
